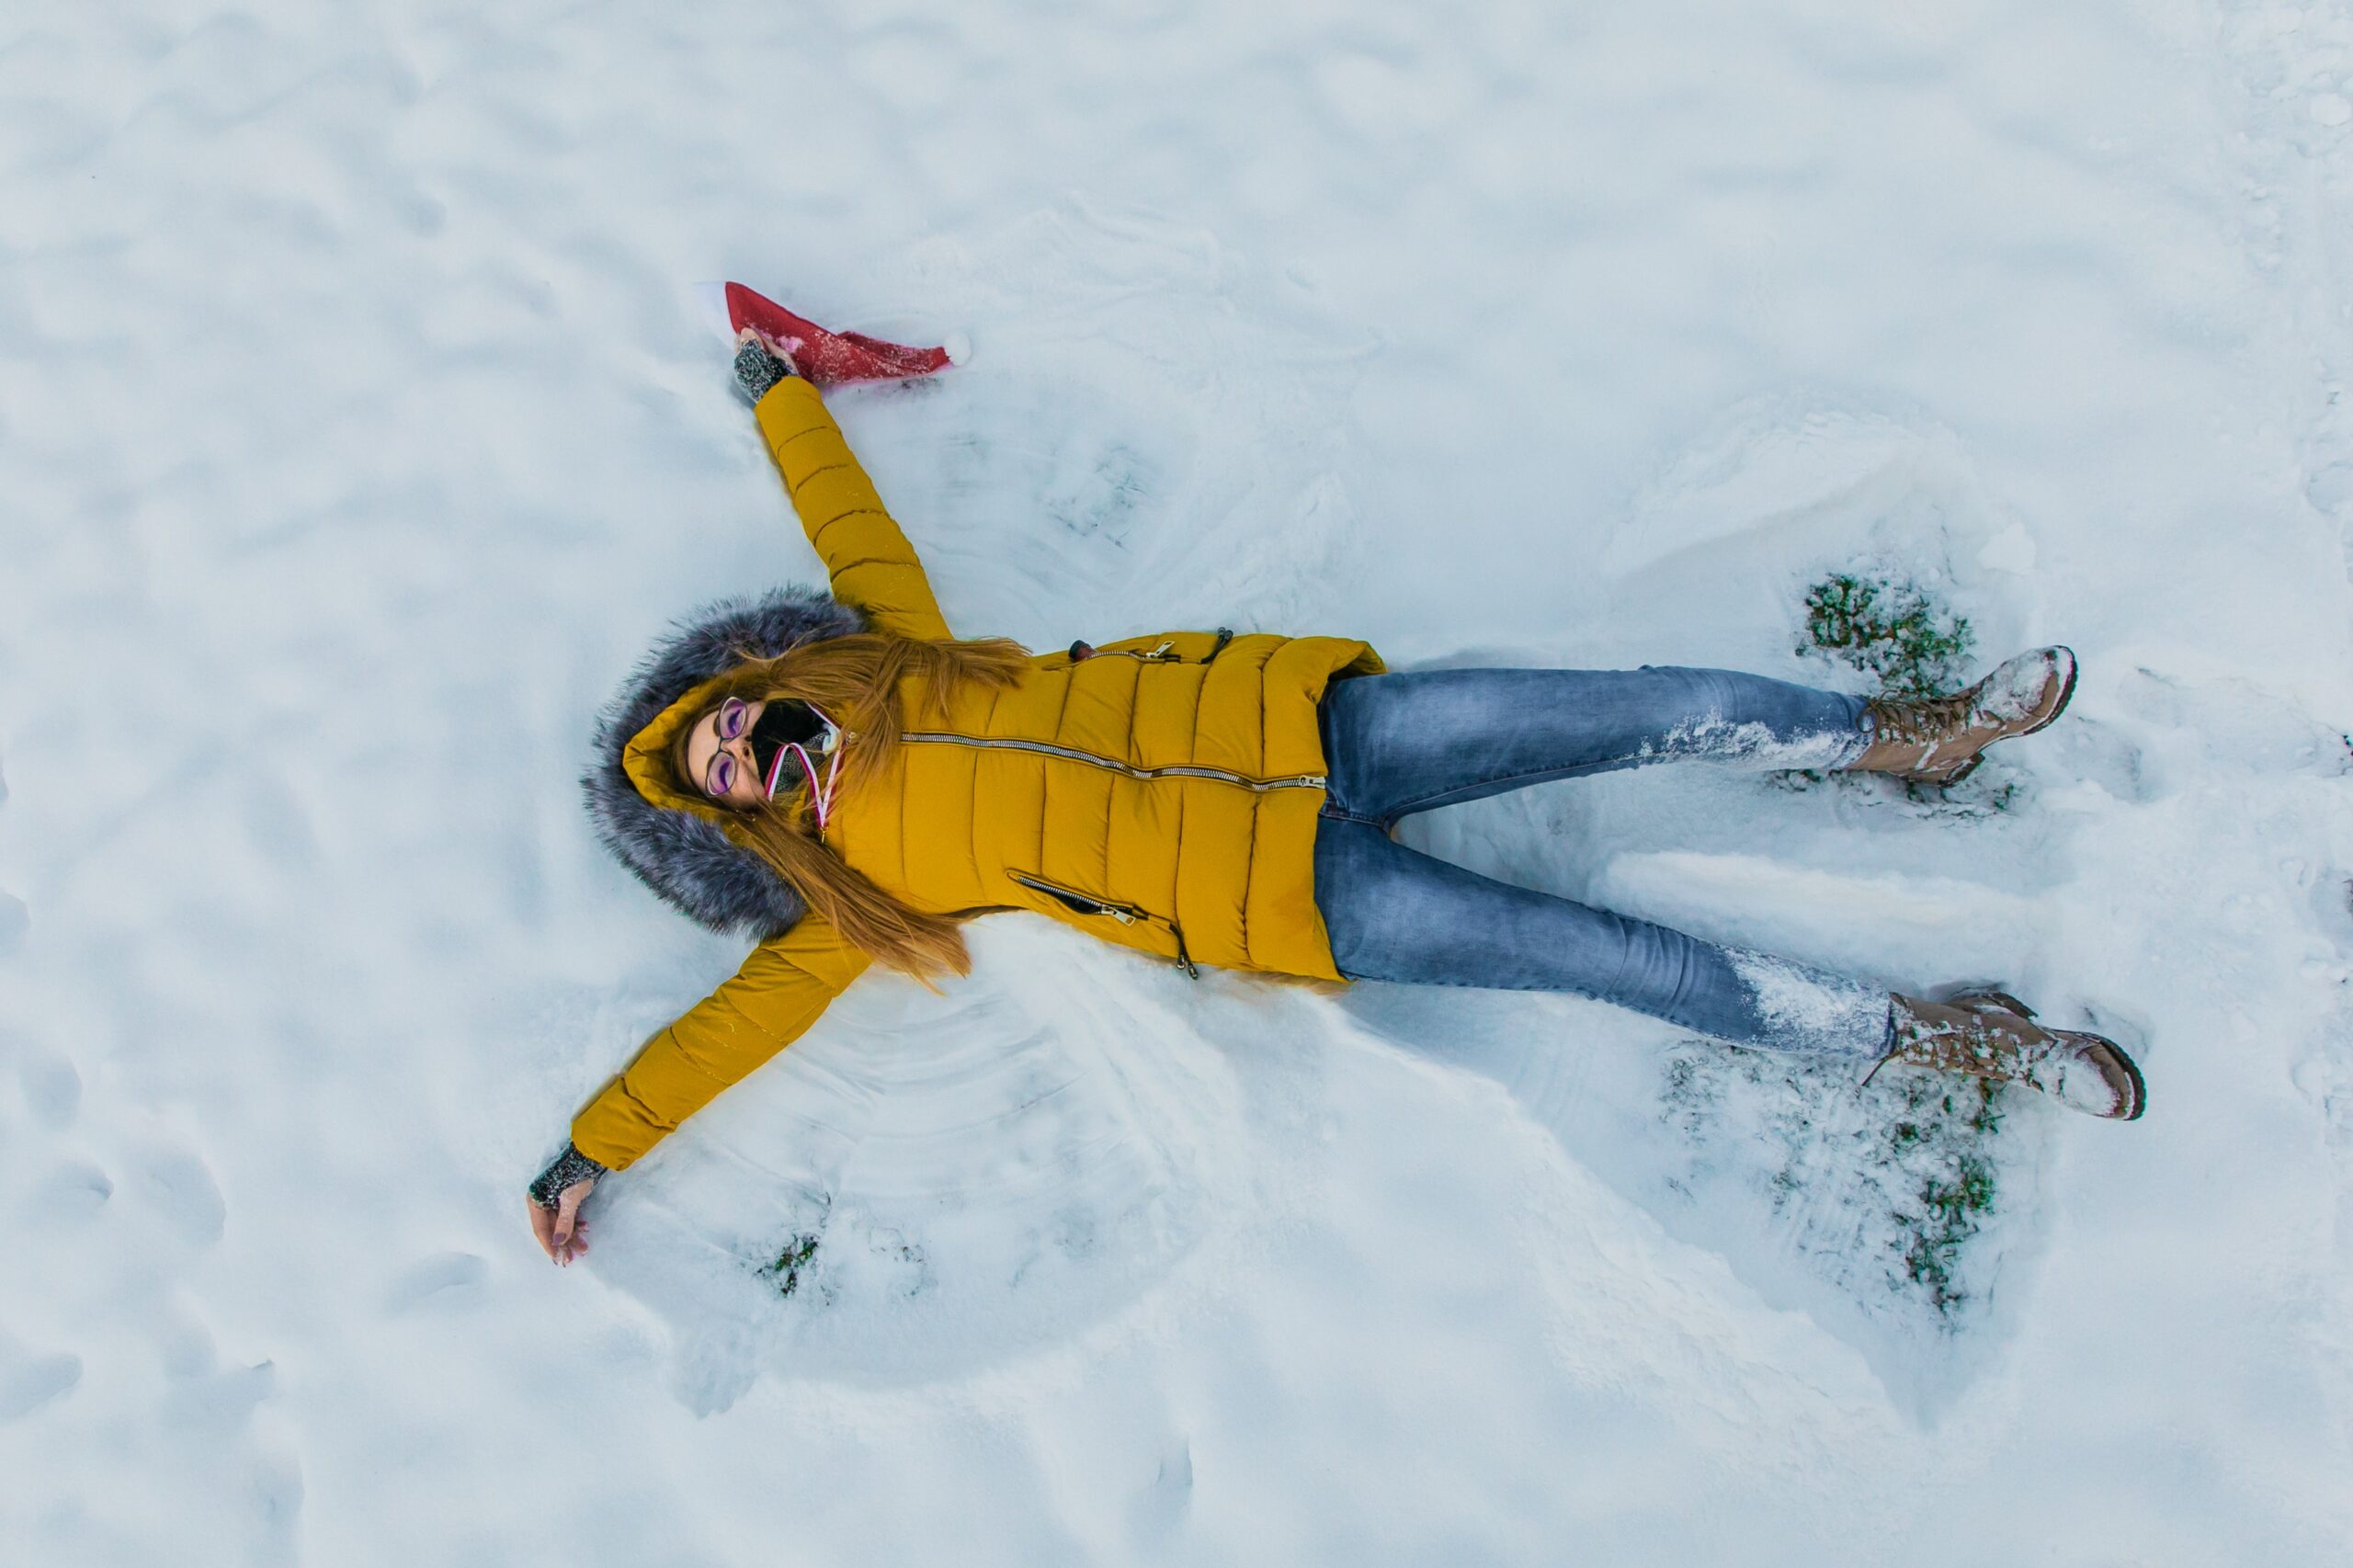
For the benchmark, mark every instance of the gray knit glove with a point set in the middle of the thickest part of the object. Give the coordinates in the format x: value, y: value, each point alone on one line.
x: 571, y: 1166
x: 756, y: 370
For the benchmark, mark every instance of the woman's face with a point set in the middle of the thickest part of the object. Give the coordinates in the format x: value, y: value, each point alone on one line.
x: 704, y: 748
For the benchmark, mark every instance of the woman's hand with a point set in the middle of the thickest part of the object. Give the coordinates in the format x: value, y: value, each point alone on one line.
x: 556, y: 1194
x: 562, y: 1235
x: 760, y: 362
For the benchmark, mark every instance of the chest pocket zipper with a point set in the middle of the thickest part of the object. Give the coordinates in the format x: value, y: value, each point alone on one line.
x: 1125, y: 914
x: 1165, y: 653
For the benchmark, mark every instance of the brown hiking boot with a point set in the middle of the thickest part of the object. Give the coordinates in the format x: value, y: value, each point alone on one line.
x: 1935, y: 740
x: 1988, y: 1034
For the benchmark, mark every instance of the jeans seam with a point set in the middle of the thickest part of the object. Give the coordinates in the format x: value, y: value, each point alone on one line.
x: 1421, y: 803
x: 1576, y: 990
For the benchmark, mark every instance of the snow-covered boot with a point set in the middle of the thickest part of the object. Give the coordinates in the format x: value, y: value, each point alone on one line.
x: 1936, y: 740
x: 1989, y: 1034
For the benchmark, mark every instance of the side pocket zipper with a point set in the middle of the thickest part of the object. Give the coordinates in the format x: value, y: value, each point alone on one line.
x: 1125, y: 914
x: 1165, y: 653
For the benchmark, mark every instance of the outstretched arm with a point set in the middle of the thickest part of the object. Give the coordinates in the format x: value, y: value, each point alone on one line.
x: 783, y: 986
x: 872, y: 563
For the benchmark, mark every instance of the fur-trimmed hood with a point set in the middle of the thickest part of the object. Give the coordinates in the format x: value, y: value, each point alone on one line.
x: 679, y: 854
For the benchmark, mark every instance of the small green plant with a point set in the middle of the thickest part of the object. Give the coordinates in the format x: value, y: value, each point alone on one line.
x: 1948, y: 1219
x: 1911, y: 1166
x: 1952, y: 1202
x: 1912, y: 644
x: 1890, y: 629
x: 784, y: 1272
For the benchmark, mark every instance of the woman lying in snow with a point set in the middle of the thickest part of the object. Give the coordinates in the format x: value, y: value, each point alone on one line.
x: 839, y: 776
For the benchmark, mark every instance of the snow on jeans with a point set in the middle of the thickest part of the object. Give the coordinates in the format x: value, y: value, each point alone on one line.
x: 1405, y: 743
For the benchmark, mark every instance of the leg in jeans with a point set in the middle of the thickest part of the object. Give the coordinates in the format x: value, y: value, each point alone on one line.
x: 1397, y: 744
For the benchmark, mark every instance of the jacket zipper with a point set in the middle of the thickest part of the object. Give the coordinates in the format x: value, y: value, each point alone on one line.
x: 1125, y: 914
x: 1046, y: 748
x: 1165, y: 653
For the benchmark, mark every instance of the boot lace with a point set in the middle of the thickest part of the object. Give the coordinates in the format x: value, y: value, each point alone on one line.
x: 1922, y: 719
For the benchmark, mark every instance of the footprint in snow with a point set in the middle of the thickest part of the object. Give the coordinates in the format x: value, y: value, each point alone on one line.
x: 52, y: 1089
x: 2080, y: 747
x: 181, y: 1187
x: 444, y: 1280
x: 74, y: 1192
x: 1156, y: 1510
x: 2231, y: 723
x: 28, y: 1381
x: 28, y: 1387
x: 218, y: 1403
x: 16, y: 923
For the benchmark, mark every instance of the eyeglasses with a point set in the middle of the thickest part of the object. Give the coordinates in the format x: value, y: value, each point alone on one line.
x: 803, y: 729
x: 734, y: 715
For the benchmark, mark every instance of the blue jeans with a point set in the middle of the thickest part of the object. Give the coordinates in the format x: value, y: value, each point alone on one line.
x: 1399, y: 743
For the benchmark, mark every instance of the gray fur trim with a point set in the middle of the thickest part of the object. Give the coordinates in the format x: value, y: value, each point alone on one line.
x: 687, y: 860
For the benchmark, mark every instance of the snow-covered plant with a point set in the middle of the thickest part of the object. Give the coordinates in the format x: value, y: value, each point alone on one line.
x: 1890, y: 629
x: 1947, y: 1155
x: 1885, y: 1188
x: 784, y: 1273
x: 1911, y: 642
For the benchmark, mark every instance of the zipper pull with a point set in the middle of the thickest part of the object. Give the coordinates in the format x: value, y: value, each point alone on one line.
x: 1163, y: 651
x: 1184, y: 959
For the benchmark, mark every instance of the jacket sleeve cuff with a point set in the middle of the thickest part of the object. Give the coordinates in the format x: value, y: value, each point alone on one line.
x: 570, y: 1166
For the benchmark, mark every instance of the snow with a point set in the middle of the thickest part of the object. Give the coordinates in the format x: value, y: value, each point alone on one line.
x: 359, y: 428
x: 1755, y: 745
x: 1810, y: 1011
x: 2017, y: 688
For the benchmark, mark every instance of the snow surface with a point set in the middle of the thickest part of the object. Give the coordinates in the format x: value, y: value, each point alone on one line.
x: 356, y: 429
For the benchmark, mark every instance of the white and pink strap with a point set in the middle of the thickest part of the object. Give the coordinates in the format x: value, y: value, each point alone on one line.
x: 821, y: 792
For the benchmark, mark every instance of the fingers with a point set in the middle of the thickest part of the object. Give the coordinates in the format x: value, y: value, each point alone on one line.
x: 784, y: 348
x: 570, y: 1236
x: 770, y: 344
x: 561, y: 1232
x: 561, y: 1245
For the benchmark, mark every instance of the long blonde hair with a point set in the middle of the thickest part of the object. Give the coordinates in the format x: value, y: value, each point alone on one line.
x: 855, y: 682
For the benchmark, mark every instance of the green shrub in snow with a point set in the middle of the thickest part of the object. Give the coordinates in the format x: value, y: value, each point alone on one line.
x: 784, y: 1273
x: 1911, y: 643
x: 1892, y: 629
x: 1884, y: 1189
x: 1952, y: 1189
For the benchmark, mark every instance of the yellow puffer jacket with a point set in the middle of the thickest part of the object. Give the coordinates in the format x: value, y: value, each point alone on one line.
x: 1161, y: 793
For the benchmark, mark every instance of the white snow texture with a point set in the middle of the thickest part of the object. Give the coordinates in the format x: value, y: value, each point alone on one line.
x: 357, y: 430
